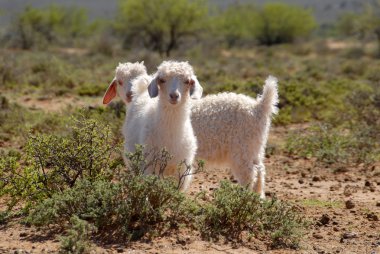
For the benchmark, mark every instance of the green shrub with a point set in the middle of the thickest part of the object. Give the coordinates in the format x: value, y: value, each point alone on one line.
x: 320, y: 141
x: 55, y: 162
x: 235, y: 209
x: 363, y: 119
x: 131, y: 205
x: 236, y: 24
x: 91, y: 201
x: 16, y: 121
x: 300, y: 101
x: 274, y: 23
x: 13, y: 183
x: 336, y: 145
x: 90, y: 90
x: 51, y: 73
x: 160, y: 25
x: 282, y: 23
x: 77, y: 239
x: 363, y: 25
x: 40, y: 27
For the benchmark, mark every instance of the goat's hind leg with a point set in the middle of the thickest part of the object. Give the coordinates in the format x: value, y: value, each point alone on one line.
x: 259, y: 184
x: 244, y: 174
x: 250, y: 175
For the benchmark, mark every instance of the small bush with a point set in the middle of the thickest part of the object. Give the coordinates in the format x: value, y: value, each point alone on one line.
x: 300, y: 101
x: 40, y: 27
x: 159, y: 25
x: 55, y: 162
x: 336, y: 145
x: 320, y: 141
x: 236, y: 24
x: 130, y: 206
x: 282, y: 23
x: 77, y: 239
x: 235, y: 209
x: 90, y: 90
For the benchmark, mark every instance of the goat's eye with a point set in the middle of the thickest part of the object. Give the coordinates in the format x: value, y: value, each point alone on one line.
x: 120, y: 82
x: 161, y: 81
x: 189, y: 82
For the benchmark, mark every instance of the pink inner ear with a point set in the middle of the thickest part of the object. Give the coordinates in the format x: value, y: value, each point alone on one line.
x: 110, y: 94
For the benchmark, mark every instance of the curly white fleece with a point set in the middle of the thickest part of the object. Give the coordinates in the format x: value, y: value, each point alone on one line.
x: 156, y: 123
x: 125, y: 73
x: 232, y: 130
x: 129, y: 71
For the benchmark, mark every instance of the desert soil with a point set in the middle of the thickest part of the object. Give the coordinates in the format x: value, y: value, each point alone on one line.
x: 320, y: 192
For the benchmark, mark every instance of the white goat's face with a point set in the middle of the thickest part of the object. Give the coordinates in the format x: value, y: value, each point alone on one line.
x: 175, y: 82
x: 124, y: 90
x: 175, y: 89
x: 122, y: 83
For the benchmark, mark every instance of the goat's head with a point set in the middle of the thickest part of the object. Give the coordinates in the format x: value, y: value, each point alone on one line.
x: 122, y: 83
x: 176, y: 82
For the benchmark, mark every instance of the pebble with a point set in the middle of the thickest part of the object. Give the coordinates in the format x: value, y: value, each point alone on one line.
x: 378, y: 204
x: 324, y: 220
x: 181, y: 241
x: 120, y: 250
x: 317, y: 236
x: 301, y: 181
x: 316, y: 178
x: 372, y: 217
x: 350, y: 204
x: 349, y: 235
x: 367, y: 183
x: 23, y: 234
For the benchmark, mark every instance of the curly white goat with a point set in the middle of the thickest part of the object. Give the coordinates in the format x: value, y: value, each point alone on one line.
x: 232, y: 130
x: 163, y: 121
x: 125, y: 74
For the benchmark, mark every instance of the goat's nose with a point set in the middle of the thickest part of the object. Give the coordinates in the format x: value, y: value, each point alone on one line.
x: 174, y: 96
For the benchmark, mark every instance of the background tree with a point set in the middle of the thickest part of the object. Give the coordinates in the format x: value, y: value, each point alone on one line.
x: 272, y: 24
x: 364, y: 25
x: 160, y: 24
x: 236, y: 24
x: 53, y: 24
x: 282, y: 23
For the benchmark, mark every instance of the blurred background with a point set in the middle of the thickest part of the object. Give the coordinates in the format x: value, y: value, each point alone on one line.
x: 56, y: 56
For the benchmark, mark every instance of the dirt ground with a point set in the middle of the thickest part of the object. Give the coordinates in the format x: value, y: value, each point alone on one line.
x: 337, y: 226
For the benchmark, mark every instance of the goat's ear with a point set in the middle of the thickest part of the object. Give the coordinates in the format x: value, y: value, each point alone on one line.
x: 111, y: 92
x: 153, y: 88
x: 196, y: 89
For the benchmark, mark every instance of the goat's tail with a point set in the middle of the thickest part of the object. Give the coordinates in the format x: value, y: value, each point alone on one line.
x: 140, y: 85
x: 269, y: 99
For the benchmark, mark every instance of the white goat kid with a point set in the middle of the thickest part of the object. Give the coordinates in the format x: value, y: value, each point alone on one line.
x: 125, y: 74
x: 232, y: 130
x: 164, y: 120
